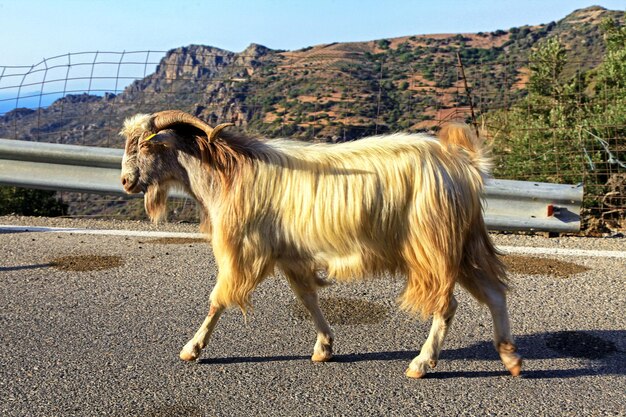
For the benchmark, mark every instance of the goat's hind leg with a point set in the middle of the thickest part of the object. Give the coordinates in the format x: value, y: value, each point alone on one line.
x: 492, y: 292
x: 304, y: 285
x: 429, y: 354
x: 503, y: 341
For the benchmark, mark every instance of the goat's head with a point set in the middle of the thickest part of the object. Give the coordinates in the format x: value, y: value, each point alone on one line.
x: 153, y: 143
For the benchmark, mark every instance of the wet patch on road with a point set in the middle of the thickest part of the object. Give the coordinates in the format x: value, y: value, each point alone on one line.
x: 83, y: 263
x: 532, y: 265
x: 578, y: 344
x: 344, y: 310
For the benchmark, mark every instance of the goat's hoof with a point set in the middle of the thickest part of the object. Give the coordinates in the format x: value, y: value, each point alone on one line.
x: 321, y: 357
x: 516, y: 369
x: 322, y: 351
x: 189, y: 354
x: 413, y: 373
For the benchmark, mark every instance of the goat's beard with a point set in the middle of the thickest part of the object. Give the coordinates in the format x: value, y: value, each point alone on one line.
x: 155, y: 202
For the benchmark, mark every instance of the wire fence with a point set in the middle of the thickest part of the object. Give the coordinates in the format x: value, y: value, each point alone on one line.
x: 333, y: 93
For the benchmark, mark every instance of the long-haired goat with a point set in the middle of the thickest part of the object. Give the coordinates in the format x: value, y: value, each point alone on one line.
x: 401, y: 203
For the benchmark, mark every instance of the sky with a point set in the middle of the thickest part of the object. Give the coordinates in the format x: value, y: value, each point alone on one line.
x: 31, y: 30
x: 42, y: 41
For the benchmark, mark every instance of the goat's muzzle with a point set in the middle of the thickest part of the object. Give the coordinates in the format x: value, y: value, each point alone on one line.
x: 130, y: 184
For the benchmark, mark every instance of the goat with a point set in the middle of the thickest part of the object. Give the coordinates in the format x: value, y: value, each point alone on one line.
x: 402, y: 203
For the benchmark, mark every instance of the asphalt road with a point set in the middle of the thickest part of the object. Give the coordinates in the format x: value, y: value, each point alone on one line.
x: 106, y: 341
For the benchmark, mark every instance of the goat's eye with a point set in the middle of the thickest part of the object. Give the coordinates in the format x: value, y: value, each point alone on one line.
x: 144, y: 146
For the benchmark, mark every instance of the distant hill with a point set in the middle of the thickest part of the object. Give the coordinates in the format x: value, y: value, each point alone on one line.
x: 337, y: 91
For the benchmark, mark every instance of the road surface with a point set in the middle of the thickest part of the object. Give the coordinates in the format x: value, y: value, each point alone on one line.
x: 92, y: 325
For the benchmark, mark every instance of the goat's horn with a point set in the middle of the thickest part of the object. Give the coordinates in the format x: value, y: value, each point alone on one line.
x: 167, y: 118
x: 217, y: 129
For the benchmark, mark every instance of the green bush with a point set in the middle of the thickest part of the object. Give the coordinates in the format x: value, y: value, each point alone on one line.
x: 384, y: 44
x: 27, y: 202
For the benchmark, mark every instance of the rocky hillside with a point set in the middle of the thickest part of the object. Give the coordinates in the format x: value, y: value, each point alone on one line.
x: 337, y: 91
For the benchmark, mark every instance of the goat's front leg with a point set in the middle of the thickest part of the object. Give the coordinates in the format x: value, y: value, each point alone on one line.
x: 429, y: 354
x: 323, y: 349
x: 227, y: 292
x: 304, y: 285
x: 192, y: 349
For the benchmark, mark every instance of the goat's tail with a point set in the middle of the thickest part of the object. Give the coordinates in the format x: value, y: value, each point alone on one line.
x: 461, y: 135
x: 482, y: 270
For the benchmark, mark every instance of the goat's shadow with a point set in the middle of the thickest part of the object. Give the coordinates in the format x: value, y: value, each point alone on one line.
x: 23, y: 267
x: 598, y: 349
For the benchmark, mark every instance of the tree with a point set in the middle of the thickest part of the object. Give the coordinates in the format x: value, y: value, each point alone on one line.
x: 611, y: 75
x: 535, y: 136
x: 546, y: 64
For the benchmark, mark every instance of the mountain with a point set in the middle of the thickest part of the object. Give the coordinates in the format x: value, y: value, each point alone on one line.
x: 337, y: 91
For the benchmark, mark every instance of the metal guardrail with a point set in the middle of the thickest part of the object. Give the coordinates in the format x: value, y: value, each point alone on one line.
x: 50, y: 166
x: 510, y: 205
x: 533, y: 206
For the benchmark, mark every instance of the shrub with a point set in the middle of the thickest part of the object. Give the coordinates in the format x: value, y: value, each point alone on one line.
x: 27, y: 202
